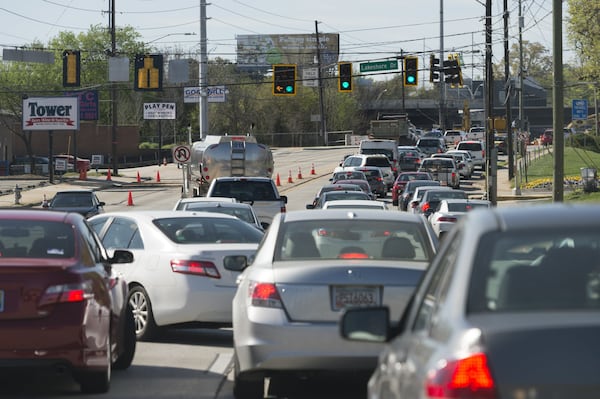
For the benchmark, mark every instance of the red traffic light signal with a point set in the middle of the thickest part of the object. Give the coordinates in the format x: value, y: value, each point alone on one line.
x: 284, y: 80
x: 345, y: 76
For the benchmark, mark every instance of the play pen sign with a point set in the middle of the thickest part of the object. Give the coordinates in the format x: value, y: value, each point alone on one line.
x: 159, y: 111
x: 51, y: 113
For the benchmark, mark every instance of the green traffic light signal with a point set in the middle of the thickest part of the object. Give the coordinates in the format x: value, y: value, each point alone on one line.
x: 284, y: 80
x: 345, y: 76
x: 411, y: 69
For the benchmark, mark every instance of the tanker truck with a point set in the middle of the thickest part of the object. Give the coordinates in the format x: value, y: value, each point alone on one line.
x: 227, y: 156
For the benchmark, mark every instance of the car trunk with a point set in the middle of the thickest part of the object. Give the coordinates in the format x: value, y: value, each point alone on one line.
x: 316, y: 293
x: 553, y: 354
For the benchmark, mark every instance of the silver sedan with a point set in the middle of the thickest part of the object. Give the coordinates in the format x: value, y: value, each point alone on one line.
x: 310, y: 267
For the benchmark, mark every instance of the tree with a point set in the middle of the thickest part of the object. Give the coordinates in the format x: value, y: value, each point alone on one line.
x: 583, y: 27
x: 537, y: 63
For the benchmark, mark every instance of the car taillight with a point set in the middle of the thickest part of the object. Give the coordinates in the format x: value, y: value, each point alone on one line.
x: 282, y: 209
x: 64, y: 293
x: 446, y: 219
x: 195, y: 267
x: 353, y: 255
x: 264, y: 295
x: 467, y: 378
x: 425, y: 207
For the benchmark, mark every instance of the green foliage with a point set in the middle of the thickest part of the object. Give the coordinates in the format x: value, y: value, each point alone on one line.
x: 148, y: 146
x: 584, y: 34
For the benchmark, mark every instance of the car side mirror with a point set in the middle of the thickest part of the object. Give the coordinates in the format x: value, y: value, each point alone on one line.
x: 284, y: 198
x: 235, y: 263
x: 122, y: 256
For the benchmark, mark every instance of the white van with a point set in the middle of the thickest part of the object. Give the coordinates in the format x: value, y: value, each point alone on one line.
x: 389, y: 148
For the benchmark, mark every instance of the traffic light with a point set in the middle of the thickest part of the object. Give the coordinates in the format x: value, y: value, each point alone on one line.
x: 411, y: 71
x: 344, y: 76
x: 71, y: 68
x: 284, y: 80
x: 148, y: 72
x: 453, y: 71
x: 434, y: 69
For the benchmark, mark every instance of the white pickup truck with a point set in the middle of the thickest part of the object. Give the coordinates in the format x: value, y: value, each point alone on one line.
x: 260, y: 192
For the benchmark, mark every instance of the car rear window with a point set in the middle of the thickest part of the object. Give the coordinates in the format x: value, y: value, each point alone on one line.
x: 36, y: 239
x: 202, y: 230
x: 428, y: 143
x: 379, y: 162
x: 536, y: 270
x: 470, y: 146
x: 245, y: 190
x: 361, y: 239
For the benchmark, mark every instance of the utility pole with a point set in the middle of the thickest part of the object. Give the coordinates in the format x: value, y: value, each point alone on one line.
x: 557, y: 102
x: 489, y: 107
x: 508, y: 88
x: 321, y: 96
x: 113, y: 92
x: 402, y: 79
x: 442, y: 112
x: 202, y: 76
x: 521, y: 126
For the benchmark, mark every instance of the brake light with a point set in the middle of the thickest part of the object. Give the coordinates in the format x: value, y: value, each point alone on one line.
x: 195, y: 267
x: 265, y: 295
x: 446, y: 219
x: 463, y: 378
x: 353, y: 255
x: 66, y: 293
x: 425, y: 207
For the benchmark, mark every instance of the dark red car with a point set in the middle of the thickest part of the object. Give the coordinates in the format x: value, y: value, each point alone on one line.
x: 62, y: 307
x: 402, y: 179
x: 547, y: 137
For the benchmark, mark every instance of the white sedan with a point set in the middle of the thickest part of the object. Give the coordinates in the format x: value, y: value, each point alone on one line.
x: 450, y: 210
x: 355, y: 204
x: 178, y: 276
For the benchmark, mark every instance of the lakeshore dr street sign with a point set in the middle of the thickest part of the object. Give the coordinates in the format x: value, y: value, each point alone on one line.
x: 378, y: 66
x: 51, y: 113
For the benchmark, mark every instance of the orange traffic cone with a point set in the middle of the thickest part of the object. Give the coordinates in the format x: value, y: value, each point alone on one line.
x: 108, y: 175
x: 299, y: 173
x: 278, y: 181
x: 157, y: 176
x: 290, y: 177
x: 312, y: 170
x: 130, y: 200
x: 139, y: 180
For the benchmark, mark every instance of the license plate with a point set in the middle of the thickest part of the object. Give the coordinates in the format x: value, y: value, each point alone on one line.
x: 355, y: 296
x: 1, y: 300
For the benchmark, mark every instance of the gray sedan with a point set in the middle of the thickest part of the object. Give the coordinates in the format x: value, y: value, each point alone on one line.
x: 310, y: 267
x: 509, y: 308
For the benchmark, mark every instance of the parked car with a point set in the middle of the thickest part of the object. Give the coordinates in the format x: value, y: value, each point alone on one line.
x: 260, y: 192
x: 477, y: 150
x: 409, y: 191
x: 343, y: 186
x: 355, y: 204
x: 409, y: 160
x: 177, y: 277
x: 431, y: 198
x: 241, y: 211
x: 450, y: 210
x: 22, y: 165
x: 508, y: 307
x: 443, y: 170
x: 547, y: 137
x: 402, y: 179
x: 84, y: 202
x: 339, y: 195
x: 310, y: 266
x: 431, y: 145
x: 381, y: 161
x: 62, y: 302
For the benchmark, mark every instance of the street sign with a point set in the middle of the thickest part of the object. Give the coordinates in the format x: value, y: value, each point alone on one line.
x: 181, y: 153
x: 378, y: 66
x: 310, y: 77
x: 579, y: 109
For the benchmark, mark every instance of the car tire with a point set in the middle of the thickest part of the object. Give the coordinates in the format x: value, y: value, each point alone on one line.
x: 145, y: 326
x: 96, y: 381
x: 129, y: 341
x: 246, y: 388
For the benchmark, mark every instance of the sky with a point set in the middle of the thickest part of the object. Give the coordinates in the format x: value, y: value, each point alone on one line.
x: 369, y: 30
